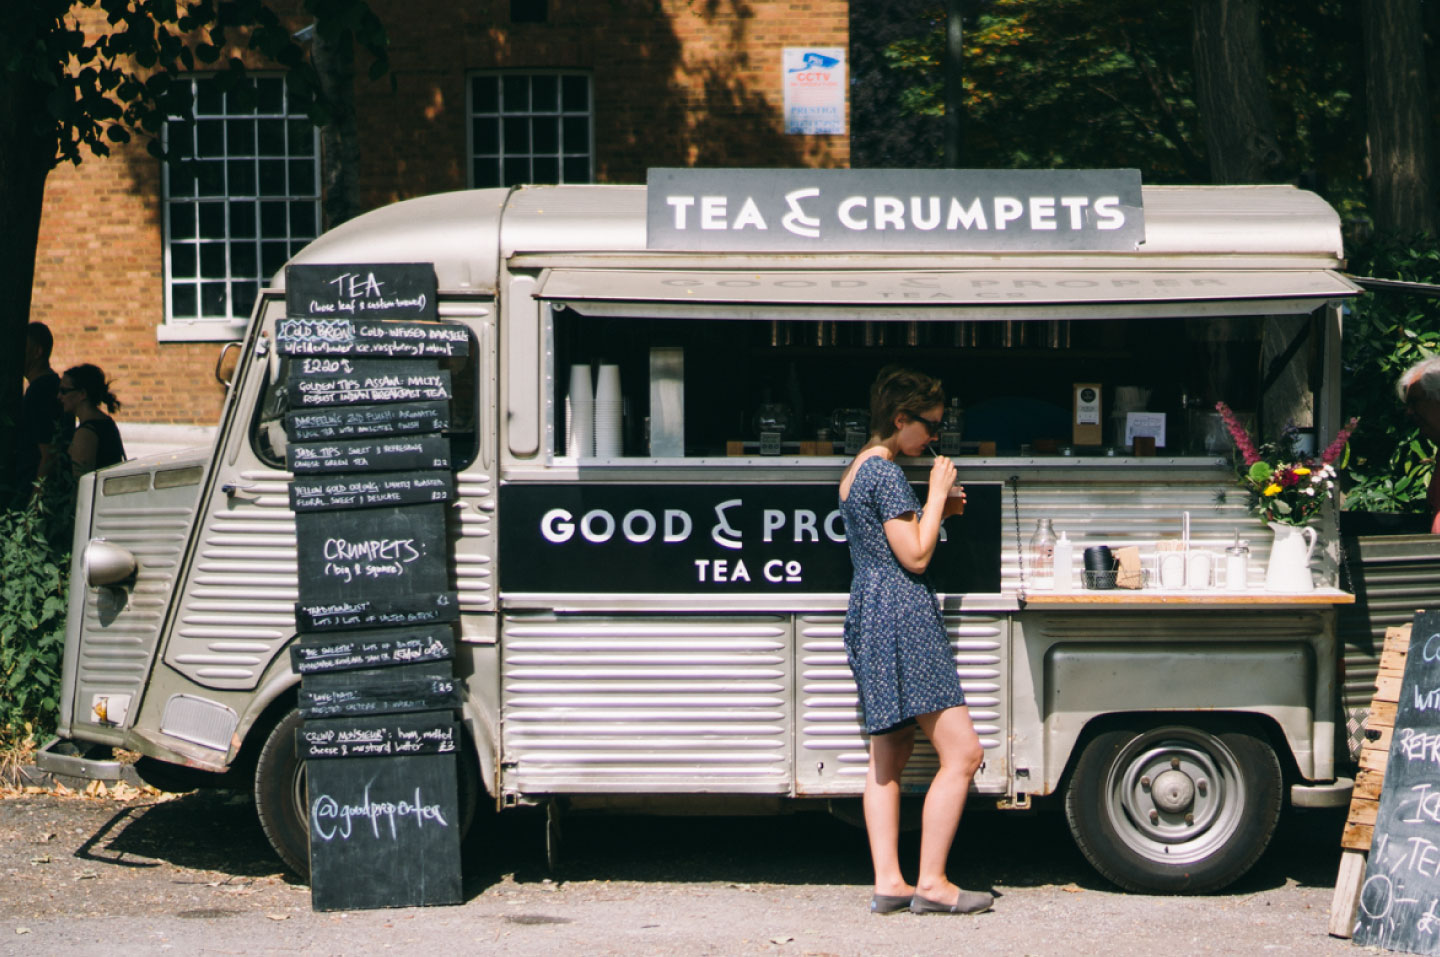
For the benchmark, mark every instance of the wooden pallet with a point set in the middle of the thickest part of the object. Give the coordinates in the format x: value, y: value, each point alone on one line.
x: 1365, y: 801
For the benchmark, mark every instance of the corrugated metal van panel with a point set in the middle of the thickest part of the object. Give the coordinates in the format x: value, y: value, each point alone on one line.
x: 475, y: 543
x: 121, y: 627
x: 1392, y: 576
x: 646, y: 705
x: 239, y: 608
x: 830, y: 749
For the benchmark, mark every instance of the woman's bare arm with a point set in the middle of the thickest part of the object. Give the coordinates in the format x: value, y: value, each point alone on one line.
x: 82, y: 450
x: 913, y: 538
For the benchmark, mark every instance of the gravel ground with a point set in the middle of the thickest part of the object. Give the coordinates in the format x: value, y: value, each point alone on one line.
x: 194, y: 874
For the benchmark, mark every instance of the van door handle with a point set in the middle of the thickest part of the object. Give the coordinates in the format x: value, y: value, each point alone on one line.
x: 220, y: 363
x: 234, y: 491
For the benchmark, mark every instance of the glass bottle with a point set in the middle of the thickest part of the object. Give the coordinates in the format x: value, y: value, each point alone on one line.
x: 953, y: 429
x: 1040, y: 555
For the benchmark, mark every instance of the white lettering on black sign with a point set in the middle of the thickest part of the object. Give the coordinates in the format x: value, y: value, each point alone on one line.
x: 893, y: 209
x: 762, y: 538
x: 372, y: 649
x: 307, y: 425
x: 372, y: 290
x: 370, y: 490
x: 368, y: 455
x: 1400, y: 898
x: 369, y: 382
x: 374, y: 339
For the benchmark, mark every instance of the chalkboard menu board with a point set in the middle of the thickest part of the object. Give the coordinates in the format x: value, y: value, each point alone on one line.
x: 372, y: 649
x: 368, y: 338
x: 384, y: 831
x: 1400, y: 899
x: 393, y: 689
x: 309, y: 425
x: 371, y: 291
x: 376, y: 736
x: 371, y: 553
x: 420, y: 609
x: 370, y: 491
x: 311, y: 384
x: 368, y: 455
x: 367, y: 403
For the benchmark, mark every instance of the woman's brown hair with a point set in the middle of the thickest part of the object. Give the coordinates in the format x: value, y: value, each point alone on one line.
x: 899, y: 390
x: 91, y: 381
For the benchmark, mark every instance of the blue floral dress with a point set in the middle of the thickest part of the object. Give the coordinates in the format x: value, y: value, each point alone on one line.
x: 894, y: 634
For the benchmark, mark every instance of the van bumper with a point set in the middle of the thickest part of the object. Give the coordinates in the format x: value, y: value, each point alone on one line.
x: 79, y: 759
x: 1332, y: 794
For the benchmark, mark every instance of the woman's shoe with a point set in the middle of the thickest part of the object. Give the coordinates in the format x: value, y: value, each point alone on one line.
x: 886, y: 904
x: 969, y: 902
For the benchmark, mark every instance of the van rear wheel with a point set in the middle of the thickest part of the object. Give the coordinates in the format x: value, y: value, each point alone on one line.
x: 1174, y: 809
x: 280, y: 796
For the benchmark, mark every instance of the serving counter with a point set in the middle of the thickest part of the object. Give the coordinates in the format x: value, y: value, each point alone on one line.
x: 1130, y: 598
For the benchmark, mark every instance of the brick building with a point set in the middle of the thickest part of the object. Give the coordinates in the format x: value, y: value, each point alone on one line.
x: 145, y: 269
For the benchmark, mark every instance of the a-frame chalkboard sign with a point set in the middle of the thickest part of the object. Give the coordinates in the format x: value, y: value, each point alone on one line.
x: 1400, y: 897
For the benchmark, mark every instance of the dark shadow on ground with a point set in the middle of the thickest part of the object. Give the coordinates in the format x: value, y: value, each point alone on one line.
x: 203, y: 830
x: 218, y: 831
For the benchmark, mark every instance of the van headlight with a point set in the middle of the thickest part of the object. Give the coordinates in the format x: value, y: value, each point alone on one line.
x: 107, y: 563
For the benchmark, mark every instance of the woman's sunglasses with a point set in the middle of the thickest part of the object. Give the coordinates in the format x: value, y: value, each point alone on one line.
x: 931, y: 425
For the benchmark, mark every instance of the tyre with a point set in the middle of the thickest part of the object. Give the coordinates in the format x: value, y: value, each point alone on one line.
x: 282, y: 806
x: 280, y: 795
x: 1174, y: 809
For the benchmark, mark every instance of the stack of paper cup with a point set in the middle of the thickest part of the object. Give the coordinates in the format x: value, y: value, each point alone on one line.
x: 580, y: 414
x: 609, y: 413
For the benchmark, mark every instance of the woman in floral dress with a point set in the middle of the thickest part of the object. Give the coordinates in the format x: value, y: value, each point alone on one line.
x: 896, y: 643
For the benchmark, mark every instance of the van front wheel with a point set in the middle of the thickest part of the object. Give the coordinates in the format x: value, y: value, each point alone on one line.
x: 280, y: 796
x: 284, y: 811
x: 1174, y: 809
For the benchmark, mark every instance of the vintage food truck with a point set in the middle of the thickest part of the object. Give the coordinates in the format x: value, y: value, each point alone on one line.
x: 647, y: 433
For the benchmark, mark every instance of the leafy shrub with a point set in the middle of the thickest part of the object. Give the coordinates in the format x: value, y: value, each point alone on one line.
x: 1390, y: 464
x: 34, y: 567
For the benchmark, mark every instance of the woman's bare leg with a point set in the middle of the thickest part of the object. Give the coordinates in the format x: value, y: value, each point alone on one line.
x: 888, y: 754
x: 958, y: 747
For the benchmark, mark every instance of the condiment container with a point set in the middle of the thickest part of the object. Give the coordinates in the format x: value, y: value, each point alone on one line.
x: 1064, y: 560
x: 1199, y: 569
x: 1237, y: 566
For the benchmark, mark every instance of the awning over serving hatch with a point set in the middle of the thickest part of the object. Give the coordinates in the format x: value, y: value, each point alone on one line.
x: 941, y: 294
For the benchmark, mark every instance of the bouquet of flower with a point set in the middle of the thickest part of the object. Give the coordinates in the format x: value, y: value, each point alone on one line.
x: 1285, y: 487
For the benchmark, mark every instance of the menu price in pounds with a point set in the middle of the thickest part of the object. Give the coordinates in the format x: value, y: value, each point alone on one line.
x: 1400, y: 898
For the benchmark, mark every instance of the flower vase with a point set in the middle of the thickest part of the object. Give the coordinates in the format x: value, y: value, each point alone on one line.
x: 1289, y: 567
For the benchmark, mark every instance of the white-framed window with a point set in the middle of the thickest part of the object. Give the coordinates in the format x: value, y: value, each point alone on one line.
x: 244, y: 198
x: 531, y: 127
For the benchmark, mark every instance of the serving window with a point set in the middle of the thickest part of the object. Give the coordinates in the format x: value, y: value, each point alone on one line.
x: 794, y: 382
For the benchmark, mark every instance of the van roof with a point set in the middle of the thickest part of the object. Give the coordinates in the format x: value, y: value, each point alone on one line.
x: 467, y: 234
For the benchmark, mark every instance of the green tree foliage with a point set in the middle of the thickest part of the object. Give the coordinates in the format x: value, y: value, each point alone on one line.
x: 1390, y: 464
x: 1104, y: 83
x: 34, y: 568
x: 63, y: 93
x: 100, y: 89
x: 1067, y: 83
